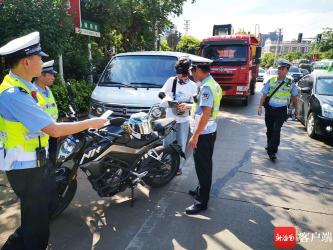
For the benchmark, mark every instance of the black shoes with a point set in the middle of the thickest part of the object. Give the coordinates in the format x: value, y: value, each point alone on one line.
x: 196, y: 208
x: 192, y: 192
x: 272, y: 157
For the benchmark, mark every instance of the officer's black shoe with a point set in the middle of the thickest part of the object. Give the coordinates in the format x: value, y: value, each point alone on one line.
x: 272, y: 157
x: 192, y: 192
x: 196, y: 208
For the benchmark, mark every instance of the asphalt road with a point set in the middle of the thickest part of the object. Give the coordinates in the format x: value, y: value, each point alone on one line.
x: 250, y: 196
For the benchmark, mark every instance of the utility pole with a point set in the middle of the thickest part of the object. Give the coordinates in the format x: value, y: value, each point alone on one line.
x: 186, y: 26
x: 277, y: 45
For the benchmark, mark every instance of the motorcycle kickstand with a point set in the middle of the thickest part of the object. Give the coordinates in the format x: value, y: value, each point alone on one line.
x: 132, y: 196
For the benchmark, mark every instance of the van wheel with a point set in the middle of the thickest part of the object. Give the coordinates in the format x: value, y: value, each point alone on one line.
x: 310, y: 125
x: 245, y: 101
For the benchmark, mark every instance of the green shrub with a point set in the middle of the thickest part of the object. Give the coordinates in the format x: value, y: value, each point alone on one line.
x: 82, y: 91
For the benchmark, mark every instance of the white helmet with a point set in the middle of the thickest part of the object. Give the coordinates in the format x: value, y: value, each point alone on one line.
x: 139, y: 125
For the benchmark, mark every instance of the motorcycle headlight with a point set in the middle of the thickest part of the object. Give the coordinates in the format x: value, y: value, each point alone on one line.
x: 66, y: 148
x: 327, y: 110
x: 156, y: 112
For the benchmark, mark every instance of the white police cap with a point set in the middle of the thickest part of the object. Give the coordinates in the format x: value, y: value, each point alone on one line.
x: 283, y: 63
x: 48, y: 67
x: 23, y: 46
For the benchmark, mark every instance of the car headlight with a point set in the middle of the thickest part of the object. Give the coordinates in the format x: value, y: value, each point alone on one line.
x: 66, y: 148
x: 327, y: 110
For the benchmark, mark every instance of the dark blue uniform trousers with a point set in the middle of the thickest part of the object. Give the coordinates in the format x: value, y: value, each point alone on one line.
x: 204, y: 166
x: 32, y: 188
x: 274, y: 119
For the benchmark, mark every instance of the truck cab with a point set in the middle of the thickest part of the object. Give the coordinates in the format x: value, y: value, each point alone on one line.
x: 235, y: 63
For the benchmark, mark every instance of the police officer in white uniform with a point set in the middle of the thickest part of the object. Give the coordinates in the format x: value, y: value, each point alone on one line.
x: 24, y: 130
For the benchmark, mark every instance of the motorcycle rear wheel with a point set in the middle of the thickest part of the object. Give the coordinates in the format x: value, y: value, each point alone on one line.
x: 164, y: 172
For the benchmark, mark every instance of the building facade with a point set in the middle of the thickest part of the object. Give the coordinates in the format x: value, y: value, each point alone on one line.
x: 286, y: 47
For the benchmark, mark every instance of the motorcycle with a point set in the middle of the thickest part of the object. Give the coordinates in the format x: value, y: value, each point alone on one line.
x: 114, y: 160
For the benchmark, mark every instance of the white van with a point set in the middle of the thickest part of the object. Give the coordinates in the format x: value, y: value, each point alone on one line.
x: 131, y: 81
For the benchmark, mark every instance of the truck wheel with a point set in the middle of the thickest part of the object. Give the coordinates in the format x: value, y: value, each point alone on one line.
x: 245, y: 101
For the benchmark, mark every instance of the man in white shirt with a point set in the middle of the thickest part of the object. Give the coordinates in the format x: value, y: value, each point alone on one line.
x: 177, y: 90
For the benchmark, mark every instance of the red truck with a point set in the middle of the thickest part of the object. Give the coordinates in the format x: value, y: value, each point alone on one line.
x: 235, y: 64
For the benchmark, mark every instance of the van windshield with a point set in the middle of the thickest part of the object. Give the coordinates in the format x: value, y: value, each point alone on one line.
x: 139, y: 71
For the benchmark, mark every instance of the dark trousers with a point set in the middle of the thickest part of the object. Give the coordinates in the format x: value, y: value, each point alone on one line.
x: 204, y: 165
x: 53, y: 149
x: 274, y: 119
x: 31, y: 186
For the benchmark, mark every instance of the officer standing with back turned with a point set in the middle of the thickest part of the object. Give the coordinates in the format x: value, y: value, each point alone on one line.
x: 24, y: 132
x: 275, y: 97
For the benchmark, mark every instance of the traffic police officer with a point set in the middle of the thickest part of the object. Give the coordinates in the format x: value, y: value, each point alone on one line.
x: 43, y: 82
x: 203, y: 123
x: 24, y: 132
x: 276, y: 109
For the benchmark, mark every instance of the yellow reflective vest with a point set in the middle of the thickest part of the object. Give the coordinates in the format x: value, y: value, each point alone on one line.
x: 14, y: 135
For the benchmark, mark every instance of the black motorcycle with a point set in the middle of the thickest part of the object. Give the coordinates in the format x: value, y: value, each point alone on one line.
x: 113, y: 160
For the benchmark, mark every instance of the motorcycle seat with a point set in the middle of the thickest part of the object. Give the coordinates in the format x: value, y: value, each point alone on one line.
x: 162, y: 125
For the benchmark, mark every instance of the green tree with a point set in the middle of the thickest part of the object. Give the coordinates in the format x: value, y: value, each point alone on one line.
x: 188, y: 44
x: 165, y: 46
x: 267, y: 60
x: 326, y: 40
x: 134, y: 23
x: 49, y: 17
x: 292, y: 56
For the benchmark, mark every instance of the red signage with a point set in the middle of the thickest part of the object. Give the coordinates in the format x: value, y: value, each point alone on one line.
x: 284, y: 237
x: 74, y: 9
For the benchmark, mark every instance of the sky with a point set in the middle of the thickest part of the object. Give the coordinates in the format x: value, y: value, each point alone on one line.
x: 293, y: 16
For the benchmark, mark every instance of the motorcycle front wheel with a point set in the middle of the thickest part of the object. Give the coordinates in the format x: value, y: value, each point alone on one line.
x: 163, y: 171
x: 65, y: 193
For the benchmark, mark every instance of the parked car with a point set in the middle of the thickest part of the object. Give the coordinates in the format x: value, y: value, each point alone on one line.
x: 131, y: 81
x: 261, y: 75
x: 315, y: 102
x: 295, y: 73
x: 304, y: 71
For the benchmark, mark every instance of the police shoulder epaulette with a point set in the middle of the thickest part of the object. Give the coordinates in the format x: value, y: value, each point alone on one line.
x: 23, y: 90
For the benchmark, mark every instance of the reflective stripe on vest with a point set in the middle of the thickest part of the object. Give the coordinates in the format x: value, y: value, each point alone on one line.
x: 283, y: 94
x: 50, y: 105
x: 217, y: 95
x: 13, y: 133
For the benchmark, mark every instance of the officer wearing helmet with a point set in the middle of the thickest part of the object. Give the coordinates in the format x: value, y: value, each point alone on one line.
x: 24, y: 132
x: 177, y: 90
x: 276, y: 93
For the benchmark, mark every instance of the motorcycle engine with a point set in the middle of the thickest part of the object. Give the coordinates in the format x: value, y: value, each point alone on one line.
x: 110, y: 178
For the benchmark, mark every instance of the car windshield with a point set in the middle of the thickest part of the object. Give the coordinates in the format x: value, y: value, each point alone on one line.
x: 325, y: 85
x: 294, y: 70
x: 139, y: 71
x: 226, y: 53
x: 261, y: 70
